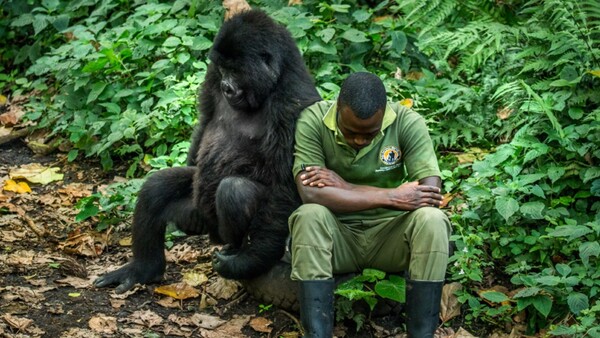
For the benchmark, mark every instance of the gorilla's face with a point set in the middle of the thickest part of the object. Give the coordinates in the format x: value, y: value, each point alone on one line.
x: 246, y: 82
x: 248, y: 61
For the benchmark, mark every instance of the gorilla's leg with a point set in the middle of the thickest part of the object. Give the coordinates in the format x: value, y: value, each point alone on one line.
x: 263, y: 243
x: 165, y: 197
x: 237, y: 200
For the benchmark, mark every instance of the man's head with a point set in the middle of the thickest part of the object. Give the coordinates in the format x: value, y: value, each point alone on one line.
x: 360, y: 108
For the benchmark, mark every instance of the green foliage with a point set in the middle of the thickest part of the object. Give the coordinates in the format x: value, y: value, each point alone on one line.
x: 530, y: 208
x: 112, y: 206
x: 264, y: 308
x: 123, y: 76
x: 514, y: 83
x: 367, y: 286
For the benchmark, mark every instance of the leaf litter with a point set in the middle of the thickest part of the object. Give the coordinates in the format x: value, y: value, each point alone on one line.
x: 48, y: 263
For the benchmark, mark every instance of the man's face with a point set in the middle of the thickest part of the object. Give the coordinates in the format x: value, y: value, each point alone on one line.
x: 358, y: 132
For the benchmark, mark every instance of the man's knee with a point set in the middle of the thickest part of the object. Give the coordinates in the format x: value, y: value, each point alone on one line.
x: 434, y: 223
x: 309, y: 218
x: 310, y: 212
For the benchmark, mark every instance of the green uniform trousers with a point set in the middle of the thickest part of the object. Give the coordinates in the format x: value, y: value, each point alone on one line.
x: 322, y: 245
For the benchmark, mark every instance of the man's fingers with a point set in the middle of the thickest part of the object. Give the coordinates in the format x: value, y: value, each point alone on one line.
x: 428, y: 188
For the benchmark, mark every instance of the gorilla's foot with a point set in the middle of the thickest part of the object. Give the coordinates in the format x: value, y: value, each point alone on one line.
x: 129, y: 275
x: 237, y: 263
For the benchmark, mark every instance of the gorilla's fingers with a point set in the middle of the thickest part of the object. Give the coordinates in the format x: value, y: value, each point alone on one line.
x: 126, y: 285
x: 127, y: 276
x: 108, y: 279
x: 219, y: 260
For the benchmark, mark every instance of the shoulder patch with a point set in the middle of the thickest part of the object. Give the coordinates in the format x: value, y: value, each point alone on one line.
x: 390, y: 155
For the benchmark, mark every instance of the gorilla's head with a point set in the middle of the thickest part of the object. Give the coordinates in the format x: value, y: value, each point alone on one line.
x: 249, y: 54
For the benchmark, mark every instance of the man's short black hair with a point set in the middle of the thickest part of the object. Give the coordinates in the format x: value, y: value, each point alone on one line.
x: 364, y: 93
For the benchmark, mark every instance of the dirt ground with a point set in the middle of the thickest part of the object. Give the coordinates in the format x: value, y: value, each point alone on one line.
x: 48, y: 262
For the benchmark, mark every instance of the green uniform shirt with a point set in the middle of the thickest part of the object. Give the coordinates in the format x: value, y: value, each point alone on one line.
x: 401, y: 152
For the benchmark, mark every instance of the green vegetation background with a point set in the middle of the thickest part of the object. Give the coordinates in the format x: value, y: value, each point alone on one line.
x: 510, y: 90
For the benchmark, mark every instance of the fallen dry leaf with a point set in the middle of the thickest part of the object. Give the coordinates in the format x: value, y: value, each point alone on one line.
x: 79, y: 333
x: 18, y: 187
x: 261, y: 324
x: 450, y: 306
x: 103, y: 324
x: 408, y: 103
x: 207, y: 301
x: 194, y: 278
x: 462, y: 333
x: 10, y: 236
x: 36, y: 173
x: 25, y: 257
x: 202, y: 320
x: 126, y: 294
x: 447, y: 198
x: 18, y: 323
x: 117, y: 303
x: 223, y: 288
x: 76, y: 282
x: 169, y: 303
x: 146, y: 318
x: 179, y: 291
x: 183, y: 253
x: 232, y: 328
x: 90, y: 244
x: 504, y: 112
x: 233, y: 7
x: 412, y: 75
x: 5, y: 131
x: 126, y: 241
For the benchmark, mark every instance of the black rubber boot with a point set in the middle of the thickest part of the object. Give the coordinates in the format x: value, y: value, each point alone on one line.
x: 422, y: 307
x: 316, y: 308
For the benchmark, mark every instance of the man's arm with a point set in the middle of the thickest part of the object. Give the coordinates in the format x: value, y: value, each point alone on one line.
x: 325, y: 187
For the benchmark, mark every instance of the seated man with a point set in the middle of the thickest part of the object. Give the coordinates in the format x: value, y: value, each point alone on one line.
x: 369, y: 179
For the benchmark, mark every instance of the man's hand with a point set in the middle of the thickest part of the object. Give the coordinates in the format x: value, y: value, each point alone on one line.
x: 319, y: 177
x: 410, y: 196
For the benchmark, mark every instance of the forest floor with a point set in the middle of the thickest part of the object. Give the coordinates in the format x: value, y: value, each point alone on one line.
x: 48, y: 262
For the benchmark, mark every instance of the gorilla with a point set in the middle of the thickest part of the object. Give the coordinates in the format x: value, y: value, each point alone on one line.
x: 238, y: 185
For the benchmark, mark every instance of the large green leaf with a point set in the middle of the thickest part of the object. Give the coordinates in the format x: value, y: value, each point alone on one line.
x: 494, y: 296
x: 399, y: 41
x: 507, y: 206
x: 354, y: 35
x: 326, y: 34
x: 577, y: 301
x: 393, y: 288
x: 543, y: 304
x: 571, y: 231
x: 587, y: 250
x: 533, y: 209
x: 527, y: 292
x: 97, y: 89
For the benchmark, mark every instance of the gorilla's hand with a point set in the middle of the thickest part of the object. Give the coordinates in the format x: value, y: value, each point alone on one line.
x: 129, y: 275
x: 222, y: 260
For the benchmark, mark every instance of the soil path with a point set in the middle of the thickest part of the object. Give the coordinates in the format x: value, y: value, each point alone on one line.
x: 48, y: 261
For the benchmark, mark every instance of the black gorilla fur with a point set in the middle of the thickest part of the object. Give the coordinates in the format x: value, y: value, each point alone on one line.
x: 238, y: 184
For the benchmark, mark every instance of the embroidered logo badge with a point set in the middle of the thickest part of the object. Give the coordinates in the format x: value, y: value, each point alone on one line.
x: 390, y: 155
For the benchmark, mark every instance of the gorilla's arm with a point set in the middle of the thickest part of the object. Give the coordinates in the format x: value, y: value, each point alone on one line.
x: 206, y: 107
x: 166, y: 196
